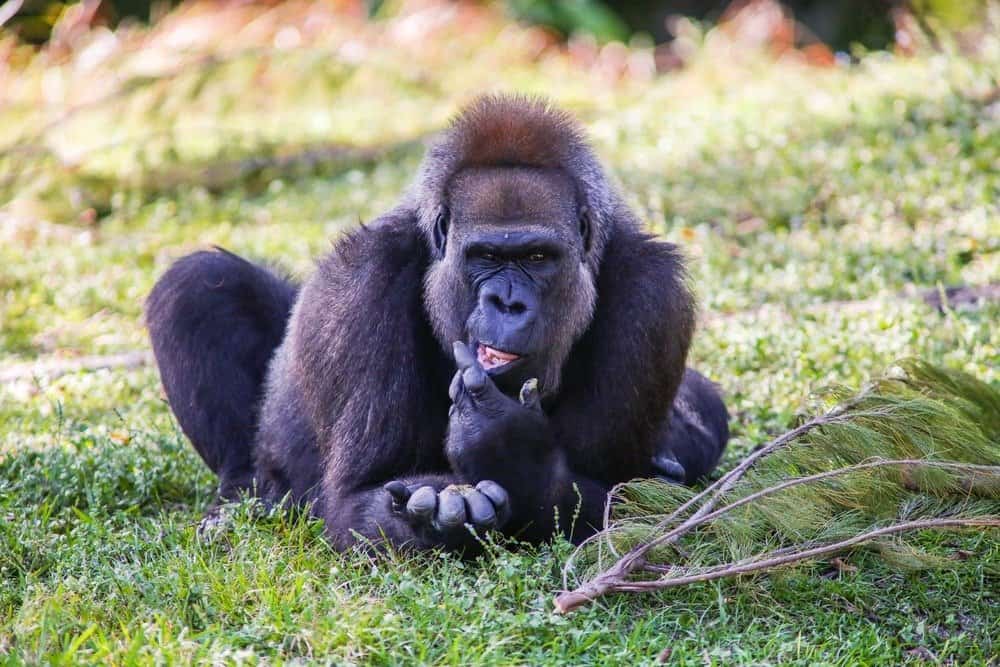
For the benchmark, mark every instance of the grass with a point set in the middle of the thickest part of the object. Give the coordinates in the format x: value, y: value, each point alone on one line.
x: 814, y: 204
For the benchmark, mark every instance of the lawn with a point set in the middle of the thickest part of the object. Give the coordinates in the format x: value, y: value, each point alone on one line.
x: 817, y: 207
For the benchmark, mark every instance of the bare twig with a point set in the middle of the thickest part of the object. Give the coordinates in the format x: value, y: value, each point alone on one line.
x: 218, y: 176
x: 53, y: 368
x: 127, y: 87
x: 9, y: 10
x: 938, y: 298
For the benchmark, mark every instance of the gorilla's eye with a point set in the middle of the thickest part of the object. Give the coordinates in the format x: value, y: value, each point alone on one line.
x: 488, y: 256
x: 537, y: 257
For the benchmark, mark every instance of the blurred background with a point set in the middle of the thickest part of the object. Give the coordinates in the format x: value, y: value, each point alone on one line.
x: 840, y: 24
x: 118, y: 96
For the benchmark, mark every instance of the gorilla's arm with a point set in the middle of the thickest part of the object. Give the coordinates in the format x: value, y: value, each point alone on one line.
x: 509, y: 440
x: 373, y: 379
x: 625, y: 371
x: 691, y: 441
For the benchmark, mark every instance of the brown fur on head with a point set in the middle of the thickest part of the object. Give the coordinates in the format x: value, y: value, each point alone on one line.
x: 512, y: 194
x: 512, y: 130
x: 502, y: 130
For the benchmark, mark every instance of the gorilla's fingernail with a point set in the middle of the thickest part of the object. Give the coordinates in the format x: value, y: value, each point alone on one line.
x: 451, y: 509
x: 496, y: 493
x: 463, y: 357
x: 397, y: 489
x: 422, y: 502
x: 529, y: 392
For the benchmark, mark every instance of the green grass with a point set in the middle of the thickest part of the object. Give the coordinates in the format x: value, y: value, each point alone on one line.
x: 813, y: 205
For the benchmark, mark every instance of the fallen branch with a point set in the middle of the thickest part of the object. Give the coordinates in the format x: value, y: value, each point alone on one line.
x: 895, y: 413
x: 635, y: 559
x: 54, y: 368
x: 613, y: 582
x: 9, y: 10
x: 220, y: 175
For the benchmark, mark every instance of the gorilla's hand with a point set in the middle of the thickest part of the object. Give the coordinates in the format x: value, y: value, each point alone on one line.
x: 440, y: 517
x: 490, y: 434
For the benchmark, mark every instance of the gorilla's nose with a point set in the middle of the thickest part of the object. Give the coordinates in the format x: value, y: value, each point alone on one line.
x: 513, y: 306
x: 507, y: 306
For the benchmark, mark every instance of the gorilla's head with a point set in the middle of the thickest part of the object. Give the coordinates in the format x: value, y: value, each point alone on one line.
x: 514, y: 249
x: 516, y: 212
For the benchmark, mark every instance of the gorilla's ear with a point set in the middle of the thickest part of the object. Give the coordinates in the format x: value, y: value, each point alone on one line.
x: 440, y: 238
x: 585, y: 228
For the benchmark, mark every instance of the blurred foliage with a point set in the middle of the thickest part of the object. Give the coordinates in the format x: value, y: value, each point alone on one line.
x: 36, y: 19
x: 840, y: 23
x: 953, y: 14
x: 568, y: 17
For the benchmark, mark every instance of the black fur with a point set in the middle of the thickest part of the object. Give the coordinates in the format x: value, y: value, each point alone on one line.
x: 357, y: 393
x: 215, y: 320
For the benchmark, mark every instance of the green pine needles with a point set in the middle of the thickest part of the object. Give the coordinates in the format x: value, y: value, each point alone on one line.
x: 916, y: 449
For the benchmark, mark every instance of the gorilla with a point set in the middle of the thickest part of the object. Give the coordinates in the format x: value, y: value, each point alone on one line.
x: 495, y: 353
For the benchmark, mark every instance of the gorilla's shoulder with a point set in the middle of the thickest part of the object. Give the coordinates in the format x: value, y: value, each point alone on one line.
x: 643, y: 286
x: 385, y: 251
x: 639, y: 252
x: 642, y: 268
x: 369, y: 283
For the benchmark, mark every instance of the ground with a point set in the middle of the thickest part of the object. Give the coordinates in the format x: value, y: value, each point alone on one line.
x: 816, y: 205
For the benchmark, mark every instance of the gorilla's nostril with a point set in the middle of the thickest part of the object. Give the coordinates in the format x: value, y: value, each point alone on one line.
x: 505, y: 307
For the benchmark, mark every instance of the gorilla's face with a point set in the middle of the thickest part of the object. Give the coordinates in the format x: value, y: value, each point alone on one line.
x: 515, y: 269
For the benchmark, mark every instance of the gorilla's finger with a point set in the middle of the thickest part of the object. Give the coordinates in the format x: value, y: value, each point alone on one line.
x: 529, y: 396
x: 451, y: 509
x: 399, y: 493
x: 667, y: 468
x: 498, y: 496
x: 460, y: 397
x: 464, y: 357
x: 479, y: 508
x: 456, y: 386
x: 422, y: 503
x: 476, y: 380
x: 496, y: 493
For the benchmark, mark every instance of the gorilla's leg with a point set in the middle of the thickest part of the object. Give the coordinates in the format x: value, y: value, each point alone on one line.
x: 215, y: 320
x: 695, y: 433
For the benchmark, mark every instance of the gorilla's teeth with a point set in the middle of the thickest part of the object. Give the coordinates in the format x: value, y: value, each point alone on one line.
x: 492, y: 358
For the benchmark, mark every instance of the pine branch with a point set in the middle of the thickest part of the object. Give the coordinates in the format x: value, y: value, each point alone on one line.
x: 613, y: 581
x: 916, y: 409
x: 635, y: 559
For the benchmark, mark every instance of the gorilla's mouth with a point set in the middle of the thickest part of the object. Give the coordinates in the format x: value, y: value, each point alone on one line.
x: 491, y: 358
